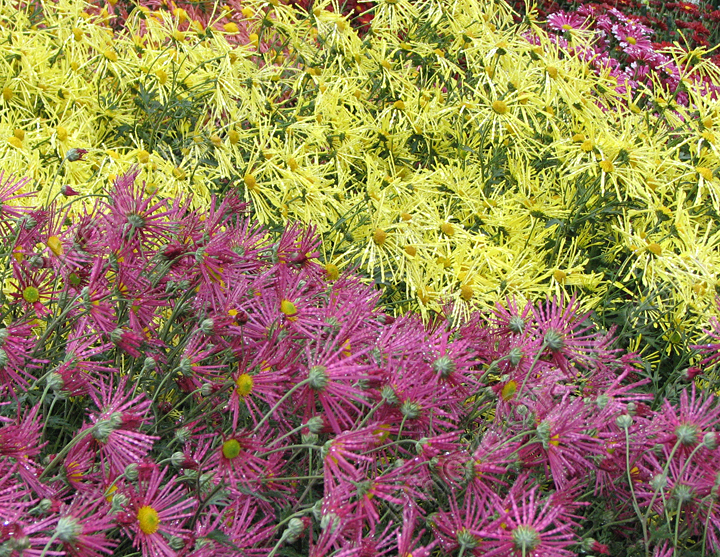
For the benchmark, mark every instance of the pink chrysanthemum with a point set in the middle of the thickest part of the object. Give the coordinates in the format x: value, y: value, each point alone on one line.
x: 115, y: 429
x: 155, y: 515
x: 562, y: 21
x: 530, y: 526
x: 687, y: 423
x: 9, y: 195
x: 569, y: 338
x: 83, y: 526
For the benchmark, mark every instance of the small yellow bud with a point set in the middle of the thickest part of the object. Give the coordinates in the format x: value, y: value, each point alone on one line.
x: 655, y: 248
x: 234, y: 137
x: 466, y: 292
x: 447, y: 229
x: 292, y: 163
x: 379, y: 236
x: 231, y: 27
x: 111, y: 55
x: 161, y: 76
x: 703, y: 171
x: 254, y: 39
x: 62, y: 133
x: 332, y: 271
x: 607, y: 165
x: 78, y: 34
x: 15, y: 142
x: 707, y: 122
x: 552, y: 71
x: 560, y: 276
x: 179, y: 173
x: 587, y: 146
x: 499, y: 107
x: 405, y: 216
x: 178, y: 35
x: 20, y: 134
x: 215, y: 140
x: 143, y: 156
x: 399, y: 105
x: 7, y: 93
x: 411, y: 250
x: 250, y: 182
x: 247, y: 13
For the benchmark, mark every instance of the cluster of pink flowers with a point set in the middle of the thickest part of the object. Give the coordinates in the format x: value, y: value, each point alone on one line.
x: 624, y: 48
x: 177, y: 381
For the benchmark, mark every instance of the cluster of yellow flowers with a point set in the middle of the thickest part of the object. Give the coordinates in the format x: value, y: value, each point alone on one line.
x: 445, y: 153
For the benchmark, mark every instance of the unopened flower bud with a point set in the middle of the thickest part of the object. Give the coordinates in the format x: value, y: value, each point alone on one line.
x: 624, y: 421
x: 207, y: 326
x: 318, y: 378
x: 389, y: 396
x: 659, y: 482
x: 75, y: 154
x: 119, y: 500
x: 315, y: 424
x: 176, y: 543
x: 294, y: 528
x: 183, y: 434
x: 515, y: 355
x: 149, y: 365
x: 309, y: 438
x: 329, y: 521
x: 602, y: 401
x: 177, y: 459
x: 68, y: 529
x: 185, y: 367
x: 631, y: 408
x: 206, y: 389
x: 54, y: 381
x: 67, y: 191
x: 27, y: 222
x: 131, y: 472
x: 710, y: 440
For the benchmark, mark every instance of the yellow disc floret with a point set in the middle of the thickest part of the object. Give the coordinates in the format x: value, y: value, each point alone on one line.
x: 148, y: 519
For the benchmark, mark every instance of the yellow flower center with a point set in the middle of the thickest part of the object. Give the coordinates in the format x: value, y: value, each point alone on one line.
x: 245, y: 384
x: 499, y: 107
x: 231, y: 449
x: 148, y: 519
x: 632, y: 40
x: 31, y: 294
x: 289, y: 309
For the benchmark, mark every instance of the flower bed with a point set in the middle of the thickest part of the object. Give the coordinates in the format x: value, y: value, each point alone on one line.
x: 444, y: 283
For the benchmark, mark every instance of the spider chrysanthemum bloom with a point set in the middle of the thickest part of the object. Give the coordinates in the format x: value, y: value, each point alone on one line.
x: 155, y: 514
x: 569, y: 337
x: 83, y: 526
x: 9, y: 196
x: 531, y: 526
x: 686, y: 423
x: 115, y: 430
x: 136, y: 220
